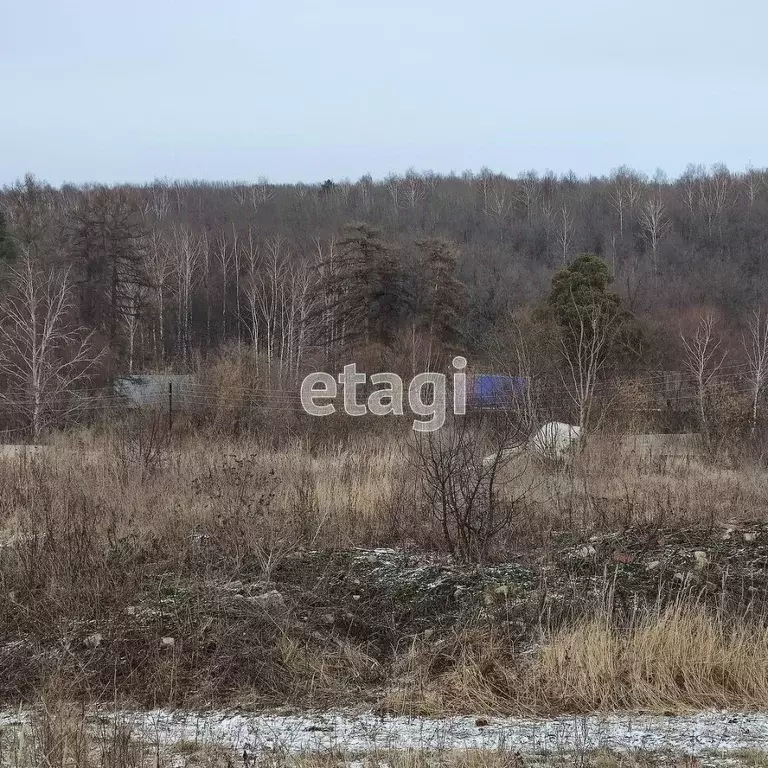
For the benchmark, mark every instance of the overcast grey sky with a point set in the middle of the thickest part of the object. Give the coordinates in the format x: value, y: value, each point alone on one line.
x: 101, y: 90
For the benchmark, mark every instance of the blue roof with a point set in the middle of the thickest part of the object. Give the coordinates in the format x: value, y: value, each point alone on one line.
x: 497, y: 389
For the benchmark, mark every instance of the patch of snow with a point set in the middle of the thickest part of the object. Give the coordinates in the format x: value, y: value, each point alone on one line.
x: 705, y: 731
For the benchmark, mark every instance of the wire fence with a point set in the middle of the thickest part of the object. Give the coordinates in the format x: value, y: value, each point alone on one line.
x: 657, y: 392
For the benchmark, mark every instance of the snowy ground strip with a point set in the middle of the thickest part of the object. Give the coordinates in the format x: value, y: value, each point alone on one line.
x: 338, y: 731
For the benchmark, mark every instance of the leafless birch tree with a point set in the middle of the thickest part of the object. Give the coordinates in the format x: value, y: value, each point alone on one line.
x: 703, y: 359
x: 755, y: 344
x: 187, y: 252
x: 584, y: 349
x: 625, y: 195
x: 159, y: 272
x: 269, y: 294
x: 134, y: 304
x: 565, y: 233
x: 223, y: 254
x: 655, y: 226
x: 252, y: 261
x: 43, y: 356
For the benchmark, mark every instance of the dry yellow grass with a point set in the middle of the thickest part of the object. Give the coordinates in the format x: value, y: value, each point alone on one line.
x: 348, y: 495
x: 685, y: 658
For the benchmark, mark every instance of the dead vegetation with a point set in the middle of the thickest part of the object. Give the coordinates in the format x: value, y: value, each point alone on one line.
x: 200, y: 572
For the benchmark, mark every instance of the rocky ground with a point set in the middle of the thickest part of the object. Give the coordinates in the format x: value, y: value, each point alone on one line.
x: 419, y: 593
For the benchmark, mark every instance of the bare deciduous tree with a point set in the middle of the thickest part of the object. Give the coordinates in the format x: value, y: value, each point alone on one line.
x: 511, y: 355
x: 565, y: 233
x: 414, y: 189
x: 44, y: 357
x: 655, y: 225
x: 753, y: 185
x: 159, y: 271
x: 327, y: 321
x: 498, y: 205
x: 584, y: 349
x: 625, y: 194
x: 756, y: 348
x: 237, y: 264
x: 187, y: 252
x: 530, y: 192
x: 134, y: 305
x: 703, y: 360
x: 715, y: 191
x: 268, y: 295
x: 252, y: 262
x: 223, y: 254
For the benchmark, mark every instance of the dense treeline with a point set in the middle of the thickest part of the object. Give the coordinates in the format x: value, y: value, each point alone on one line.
x: 156, y: 277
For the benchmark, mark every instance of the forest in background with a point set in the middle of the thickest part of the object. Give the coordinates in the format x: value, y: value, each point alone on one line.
x: 399, y: 272
x: 245, y: 554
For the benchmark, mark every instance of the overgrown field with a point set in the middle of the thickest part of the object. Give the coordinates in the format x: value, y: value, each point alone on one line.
x: 201, y: 572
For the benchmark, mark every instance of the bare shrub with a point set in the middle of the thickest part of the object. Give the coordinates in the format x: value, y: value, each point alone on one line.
x: 142, y: 445
x: 244, y: 526
x: 462, y: 492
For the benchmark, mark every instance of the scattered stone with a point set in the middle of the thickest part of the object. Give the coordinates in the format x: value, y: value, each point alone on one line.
x: 700, y: 558
x: 328, y: 618
x: 271, y: 599
x: 94, y: 640
x: 653, y: 565
x: 167, y: 642
x: 750, y: 536
x: 427, y: 633
x: 586, y: 552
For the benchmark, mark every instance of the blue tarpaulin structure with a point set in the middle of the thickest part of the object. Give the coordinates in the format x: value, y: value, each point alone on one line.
x: 491, y: 390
